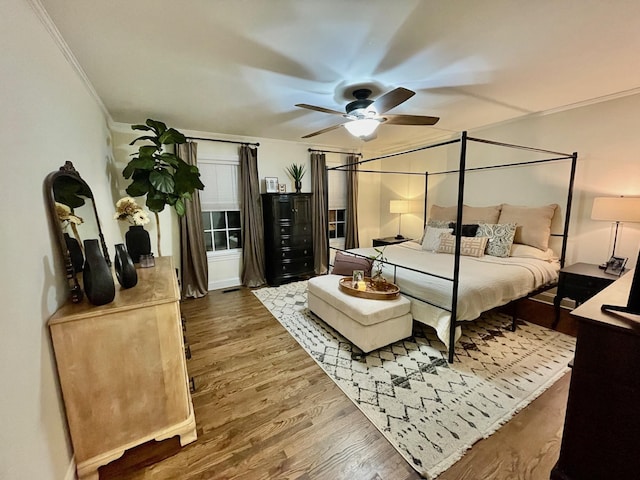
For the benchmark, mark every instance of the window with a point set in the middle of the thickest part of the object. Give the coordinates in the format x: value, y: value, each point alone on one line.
x: 337, y: 223
x: 220, y: 201
x: 222, y: 230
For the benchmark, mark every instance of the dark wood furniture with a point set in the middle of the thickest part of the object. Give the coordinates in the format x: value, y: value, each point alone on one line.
x: 580, y: 282
x: 602, y: 425
x: 381, y: 242
x: 288, y: 236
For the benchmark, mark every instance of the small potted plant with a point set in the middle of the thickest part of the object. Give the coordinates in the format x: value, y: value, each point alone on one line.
x: 377, y: 280
x: 296, y: 172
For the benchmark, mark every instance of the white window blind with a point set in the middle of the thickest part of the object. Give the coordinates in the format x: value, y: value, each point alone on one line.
x: 337, y: 187
x: 221, y: 189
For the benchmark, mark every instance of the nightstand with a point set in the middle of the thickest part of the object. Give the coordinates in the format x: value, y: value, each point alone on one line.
x: 380, y: 242
x: 580, y: 282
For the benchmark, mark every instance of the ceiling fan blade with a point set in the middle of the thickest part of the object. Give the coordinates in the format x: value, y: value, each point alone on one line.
x: 324, y: 130
x: 318, y: 109
x: 392, y: 99
x: 410, y: 120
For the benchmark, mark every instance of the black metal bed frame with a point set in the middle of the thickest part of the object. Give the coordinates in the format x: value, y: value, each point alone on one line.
x: 461, y: 171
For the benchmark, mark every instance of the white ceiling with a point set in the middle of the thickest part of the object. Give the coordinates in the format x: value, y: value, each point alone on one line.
x: 239, y: 66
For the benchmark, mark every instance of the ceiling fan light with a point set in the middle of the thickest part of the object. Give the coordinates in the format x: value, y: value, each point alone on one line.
x: 362, y: 128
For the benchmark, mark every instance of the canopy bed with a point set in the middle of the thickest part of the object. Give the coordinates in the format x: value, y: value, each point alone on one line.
x: 453, y: 274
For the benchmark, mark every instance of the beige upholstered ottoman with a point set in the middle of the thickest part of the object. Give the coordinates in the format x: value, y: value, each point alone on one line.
x: 370, y: 324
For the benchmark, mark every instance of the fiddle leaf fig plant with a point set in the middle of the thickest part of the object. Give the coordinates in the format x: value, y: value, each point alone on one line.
x: 162, y: 176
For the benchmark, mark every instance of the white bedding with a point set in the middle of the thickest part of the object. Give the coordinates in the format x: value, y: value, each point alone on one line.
x: 485, y: 282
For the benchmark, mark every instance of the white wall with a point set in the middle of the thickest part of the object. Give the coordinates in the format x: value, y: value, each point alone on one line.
x: 47, y: 116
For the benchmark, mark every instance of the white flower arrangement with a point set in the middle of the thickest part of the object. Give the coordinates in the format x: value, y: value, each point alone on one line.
x: 128, y: 209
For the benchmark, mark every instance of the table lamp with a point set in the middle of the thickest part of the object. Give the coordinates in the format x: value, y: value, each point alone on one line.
x: 399, y: 207
x: 617, y: 210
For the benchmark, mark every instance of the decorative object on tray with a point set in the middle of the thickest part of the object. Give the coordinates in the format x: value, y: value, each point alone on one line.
x: 96, y: 275
x: 429, y: 410
x: 296, y: 172
x: 159, y: 174
x: 137, y: 238
x: 376, y: 269
x: 373, y: 290
x: 123, y: 265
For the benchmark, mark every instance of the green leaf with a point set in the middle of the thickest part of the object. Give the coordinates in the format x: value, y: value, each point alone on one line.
x: 155, y: 204
x: 172, y: 136
x: 157, y: 126
x: 180, y: 207
x: 140, y: 127
x: 170, y: 159
x: 162, y: 181
x: 147, y: 137
x: 138, y: 188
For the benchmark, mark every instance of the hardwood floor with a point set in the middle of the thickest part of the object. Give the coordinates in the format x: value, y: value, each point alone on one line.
x: 266, y: 410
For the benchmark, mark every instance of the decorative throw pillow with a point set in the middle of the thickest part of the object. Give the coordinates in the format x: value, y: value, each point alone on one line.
x: 527, y: 251
x: 431, y: 240
x: 436, y: 224
x: 345, y: 264
x: 500, y: 237
x: 533, y: 223
x: 468, y: 230
x: 469, y: 246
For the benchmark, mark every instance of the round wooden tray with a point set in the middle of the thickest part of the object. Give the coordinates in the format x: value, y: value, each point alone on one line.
x: 390, y: 291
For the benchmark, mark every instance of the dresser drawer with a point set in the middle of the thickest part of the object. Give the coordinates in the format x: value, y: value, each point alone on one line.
x: 294, y: 230
x: 296, y: 266
x: 288, y: 253
x: 305, y: 241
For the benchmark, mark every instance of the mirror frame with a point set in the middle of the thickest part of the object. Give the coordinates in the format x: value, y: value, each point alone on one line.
x: 68, y: 170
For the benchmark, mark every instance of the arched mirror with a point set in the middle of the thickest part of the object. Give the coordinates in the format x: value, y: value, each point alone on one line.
x: 73, y: 211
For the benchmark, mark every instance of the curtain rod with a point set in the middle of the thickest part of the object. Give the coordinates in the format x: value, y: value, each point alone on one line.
x: 334, y: 151
x: 224, y: 141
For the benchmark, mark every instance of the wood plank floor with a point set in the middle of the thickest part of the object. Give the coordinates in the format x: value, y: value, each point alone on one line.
x: 265, y: 410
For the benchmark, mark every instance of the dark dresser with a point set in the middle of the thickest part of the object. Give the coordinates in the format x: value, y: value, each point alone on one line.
x: 288, y: 237
x: 602, y: 423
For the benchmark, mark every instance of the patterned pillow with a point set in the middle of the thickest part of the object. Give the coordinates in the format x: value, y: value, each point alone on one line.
x: 500, y: 237
x: 470, y: 246
x: 431, y: 240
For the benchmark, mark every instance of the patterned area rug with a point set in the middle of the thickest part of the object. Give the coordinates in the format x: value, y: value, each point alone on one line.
x: 431, y: 411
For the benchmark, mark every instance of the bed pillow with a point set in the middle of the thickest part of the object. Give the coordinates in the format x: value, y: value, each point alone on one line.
x: 436, y: 224
x: 488, y: 214
x: 527, y: 251
x: 431, y: 240
x: 470, y: 214
x: 500, y: 237
x: 533, y: 223
x: 345, y: 264
x: 469, y: 246
x: 468, y: 230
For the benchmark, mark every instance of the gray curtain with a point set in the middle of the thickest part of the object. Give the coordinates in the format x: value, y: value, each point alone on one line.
x: 193, y: 254
x: 319, y: 207
x: 351, y: 239
x: 253, y: 255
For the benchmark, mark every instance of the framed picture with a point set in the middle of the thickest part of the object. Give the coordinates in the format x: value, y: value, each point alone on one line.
x: 271, y: 184
x: 615, y: 265
x: 282, y: 188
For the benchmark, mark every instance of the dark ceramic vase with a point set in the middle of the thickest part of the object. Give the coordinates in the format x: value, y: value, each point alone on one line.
x: 75, y: 252
x: 298, y: 186
x: 124, y: 267
x: 138, y: 242
x: 96, y: 276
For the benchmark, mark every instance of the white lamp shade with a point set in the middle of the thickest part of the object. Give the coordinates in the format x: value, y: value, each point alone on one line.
x: 616, y: 209
x: 362, y: 128
x: 399, y: 206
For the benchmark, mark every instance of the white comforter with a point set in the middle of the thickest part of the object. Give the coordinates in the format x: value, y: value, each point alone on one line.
x: 485, y: 282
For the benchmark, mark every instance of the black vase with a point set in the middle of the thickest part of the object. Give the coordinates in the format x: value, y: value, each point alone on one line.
x: 138, y: 242
x: 298, y: 185
x: 75, y: 252
x: 96, y: 276
x: 123, y: 265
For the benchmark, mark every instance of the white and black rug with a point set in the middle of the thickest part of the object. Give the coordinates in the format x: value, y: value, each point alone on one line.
x: 431, y: 411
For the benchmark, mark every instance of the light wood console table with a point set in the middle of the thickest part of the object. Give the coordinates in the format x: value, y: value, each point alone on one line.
x: 122, y: 370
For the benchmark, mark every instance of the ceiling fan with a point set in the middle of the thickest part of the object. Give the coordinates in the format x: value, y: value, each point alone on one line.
x: 365, y: 115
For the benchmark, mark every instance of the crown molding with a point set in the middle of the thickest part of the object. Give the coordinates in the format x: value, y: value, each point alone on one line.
x: 45, y: 19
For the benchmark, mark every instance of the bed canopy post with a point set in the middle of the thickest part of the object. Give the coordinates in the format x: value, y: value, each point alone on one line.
x: 456, y: 257
x: 567, y: 216
x: 426, y: 190
x: 326, y: 209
